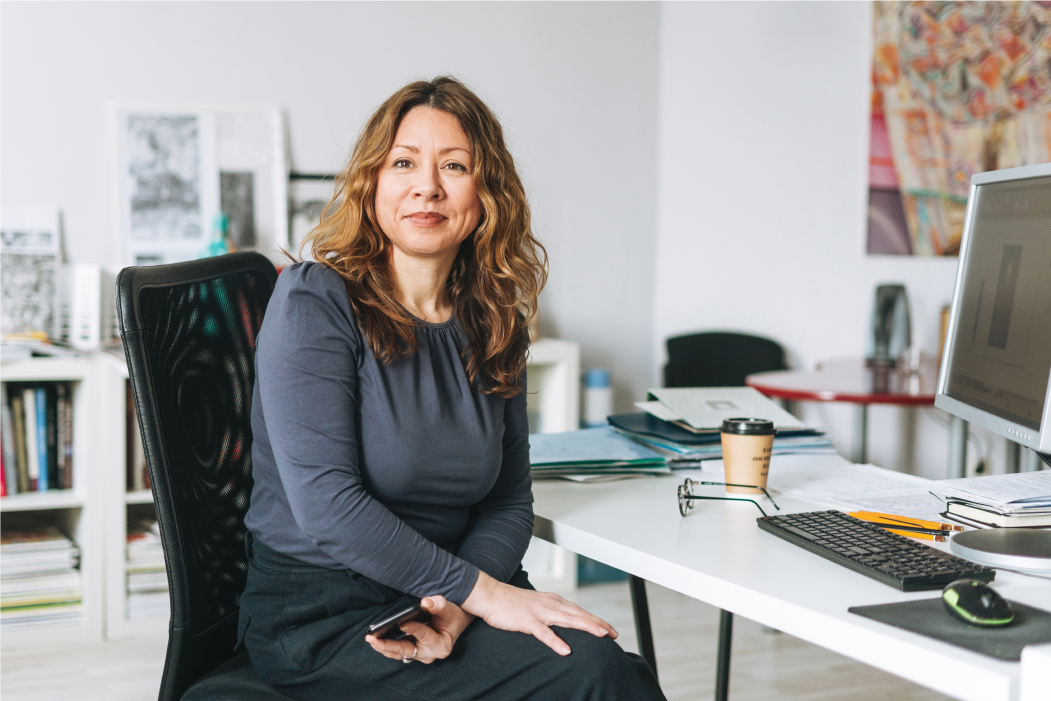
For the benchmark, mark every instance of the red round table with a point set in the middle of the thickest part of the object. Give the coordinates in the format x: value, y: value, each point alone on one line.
x: 854, y: 382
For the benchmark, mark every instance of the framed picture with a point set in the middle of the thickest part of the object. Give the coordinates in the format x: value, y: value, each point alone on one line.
x: 958, y: 88
x: 30, y: 254
x: 308, y: 195
x: 178, y: 170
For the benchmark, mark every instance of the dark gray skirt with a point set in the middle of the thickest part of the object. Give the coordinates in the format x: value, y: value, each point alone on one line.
x: 304, y: 628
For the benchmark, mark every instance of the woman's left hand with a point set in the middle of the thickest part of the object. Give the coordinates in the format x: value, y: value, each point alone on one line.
x: 434, y: 640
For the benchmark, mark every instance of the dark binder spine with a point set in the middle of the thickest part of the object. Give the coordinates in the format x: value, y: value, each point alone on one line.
x: 67, y: 445
x: 52, y: 437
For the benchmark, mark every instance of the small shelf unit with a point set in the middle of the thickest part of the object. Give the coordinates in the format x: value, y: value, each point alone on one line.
x: 78, y: 512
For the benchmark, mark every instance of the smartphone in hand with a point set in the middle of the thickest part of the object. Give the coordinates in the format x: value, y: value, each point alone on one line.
x: 389, y: 628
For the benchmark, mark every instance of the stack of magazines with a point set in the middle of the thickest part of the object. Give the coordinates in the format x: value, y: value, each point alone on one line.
x: 999, y: 501
x: 39, y: 579
x: 591, y: 454
x: 147, y: 578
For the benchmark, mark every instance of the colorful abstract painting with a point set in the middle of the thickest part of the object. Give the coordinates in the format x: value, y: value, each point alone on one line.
x: 957, y: 88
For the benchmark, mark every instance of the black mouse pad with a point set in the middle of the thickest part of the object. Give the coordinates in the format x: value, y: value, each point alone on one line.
x: 929, y: 617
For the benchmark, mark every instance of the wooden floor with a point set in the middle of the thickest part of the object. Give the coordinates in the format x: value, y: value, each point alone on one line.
x: 766, y: 666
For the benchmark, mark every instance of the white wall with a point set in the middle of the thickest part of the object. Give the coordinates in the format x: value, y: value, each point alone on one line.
x: 761, y: 217
x: 574, y: 84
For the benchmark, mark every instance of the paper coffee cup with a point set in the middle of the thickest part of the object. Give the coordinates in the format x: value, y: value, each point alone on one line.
x: 747, y: 443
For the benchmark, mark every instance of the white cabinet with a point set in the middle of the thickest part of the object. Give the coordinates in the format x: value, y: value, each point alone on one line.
x: 553, y: 384
x: 78, y: 512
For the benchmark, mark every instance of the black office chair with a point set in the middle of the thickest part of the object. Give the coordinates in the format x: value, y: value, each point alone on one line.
x: 720, y: 359
x: 189, y: 334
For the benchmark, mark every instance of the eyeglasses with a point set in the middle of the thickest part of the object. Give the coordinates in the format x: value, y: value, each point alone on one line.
x: 687, y: 497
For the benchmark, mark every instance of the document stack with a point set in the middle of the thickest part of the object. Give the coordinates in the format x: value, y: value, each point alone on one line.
x: 147, y: 578
x: 591, y: 454
x: 682, y: 424
x: 39, y: 579
x: 999, y: 501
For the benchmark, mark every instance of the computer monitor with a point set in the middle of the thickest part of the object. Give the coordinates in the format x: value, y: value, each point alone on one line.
x: 997, y: 362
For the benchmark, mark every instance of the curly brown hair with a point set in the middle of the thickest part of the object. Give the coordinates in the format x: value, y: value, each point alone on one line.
x: 499, y: 269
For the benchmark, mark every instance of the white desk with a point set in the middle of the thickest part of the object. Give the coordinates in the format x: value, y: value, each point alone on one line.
x: 718, y: 555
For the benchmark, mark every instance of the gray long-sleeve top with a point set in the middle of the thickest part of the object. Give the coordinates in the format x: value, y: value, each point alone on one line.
x: 399, y: 472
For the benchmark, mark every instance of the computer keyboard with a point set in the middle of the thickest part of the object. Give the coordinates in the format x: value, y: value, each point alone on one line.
x: 866, y: 548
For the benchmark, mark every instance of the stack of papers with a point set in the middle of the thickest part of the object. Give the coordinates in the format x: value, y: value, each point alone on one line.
x: 703, y: 409
x: 39, y: 579
x: 1000, y: 500
x: 147, y: 578
x: 684, y: 448
x: 592, y: 453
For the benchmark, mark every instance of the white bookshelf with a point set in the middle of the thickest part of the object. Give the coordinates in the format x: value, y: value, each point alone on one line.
x: 78, y: 512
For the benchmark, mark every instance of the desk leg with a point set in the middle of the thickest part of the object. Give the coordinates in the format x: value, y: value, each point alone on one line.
x: 861, y: 434
x: 722, y: 670
x: 957, y: 448
x: 643, y: 631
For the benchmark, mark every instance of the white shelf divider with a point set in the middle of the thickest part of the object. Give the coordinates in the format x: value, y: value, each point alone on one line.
x: 114, y: 374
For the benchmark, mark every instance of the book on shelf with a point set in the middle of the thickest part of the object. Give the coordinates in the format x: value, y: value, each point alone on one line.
x: 147, y: 579
x: 7, y: 439
x: 44, y: 469
x: 37, y: 436
x: 32, y: 442
x: 21, y: 454
x: 39, y: 578
x: 138, y: 477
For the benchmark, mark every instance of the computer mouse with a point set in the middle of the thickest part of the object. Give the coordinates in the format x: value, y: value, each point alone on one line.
x: 977, y: 604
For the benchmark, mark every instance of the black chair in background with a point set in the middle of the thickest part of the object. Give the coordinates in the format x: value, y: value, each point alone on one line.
x: 189, y: 333
x: 720, y: 359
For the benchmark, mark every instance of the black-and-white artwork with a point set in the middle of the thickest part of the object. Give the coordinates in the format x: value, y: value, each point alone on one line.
x: 29, y: 259
x: 179, y: 169
x: 308, y: 199
x: 163, y: 157
x: 237, y: 200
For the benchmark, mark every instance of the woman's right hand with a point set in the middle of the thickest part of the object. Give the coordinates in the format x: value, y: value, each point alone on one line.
x: 526, y: 611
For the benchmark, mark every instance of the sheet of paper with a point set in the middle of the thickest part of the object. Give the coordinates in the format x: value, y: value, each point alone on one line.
x: 858, y: 488
x: 707, y: 407
x: 1022, y: 489
x: 659, y: 410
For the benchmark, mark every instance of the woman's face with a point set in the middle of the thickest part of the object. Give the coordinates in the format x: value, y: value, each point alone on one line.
x: 426, y: 202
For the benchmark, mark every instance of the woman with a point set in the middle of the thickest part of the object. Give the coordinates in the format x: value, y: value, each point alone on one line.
x: 391, y: 455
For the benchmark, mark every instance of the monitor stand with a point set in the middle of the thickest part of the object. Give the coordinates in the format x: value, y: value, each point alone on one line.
x: 1023, y: 549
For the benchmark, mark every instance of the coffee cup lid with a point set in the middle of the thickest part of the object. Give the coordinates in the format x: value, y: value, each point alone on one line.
x: 749, y: 427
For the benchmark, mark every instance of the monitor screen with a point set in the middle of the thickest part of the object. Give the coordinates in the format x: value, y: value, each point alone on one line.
x: 1000, y: 351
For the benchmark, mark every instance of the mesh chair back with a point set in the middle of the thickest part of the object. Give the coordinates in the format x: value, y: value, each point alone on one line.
x: 189, y: 332
x: 719, y: 359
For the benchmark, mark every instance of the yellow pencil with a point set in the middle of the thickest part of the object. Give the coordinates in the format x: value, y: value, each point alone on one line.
x: 921, y: 536
x: 904, y: 520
